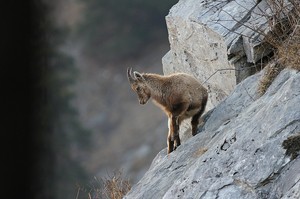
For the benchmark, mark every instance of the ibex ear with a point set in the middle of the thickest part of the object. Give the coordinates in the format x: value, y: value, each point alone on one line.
x: 138, y: 76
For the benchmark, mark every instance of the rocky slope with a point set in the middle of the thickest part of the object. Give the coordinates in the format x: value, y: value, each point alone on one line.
x: 248, y: 145
x: 239, y: 151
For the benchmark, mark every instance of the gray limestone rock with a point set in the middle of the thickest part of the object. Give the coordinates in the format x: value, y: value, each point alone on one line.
x: 210, y: 35
x: 218, y: 42
x: 237, y: 153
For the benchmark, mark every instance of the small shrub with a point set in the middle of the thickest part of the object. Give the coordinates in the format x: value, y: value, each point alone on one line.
x: 115, y: 187
x: 289, y: 51
x: 112, y: 187
x: 284, y: 38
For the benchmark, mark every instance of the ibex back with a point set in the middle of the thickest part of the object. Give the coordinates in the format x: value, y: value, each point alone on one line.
x: 179, y: 95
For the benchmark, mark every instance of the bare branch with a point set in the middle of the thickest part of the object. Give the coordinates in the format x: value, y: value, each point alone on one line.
x: 226, y: 69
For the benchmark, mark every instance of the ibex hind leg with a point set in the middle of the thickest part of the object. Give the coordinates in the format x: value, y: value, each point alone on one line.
x: 170, y: 144
x: 176, y: 142
x: 195, y: 118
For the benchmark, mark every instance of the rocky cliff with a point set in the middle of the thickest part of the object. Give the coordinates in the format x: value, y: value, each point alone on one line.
x: 242, y: 151
x: 248, y: 145
x: 207, y: 35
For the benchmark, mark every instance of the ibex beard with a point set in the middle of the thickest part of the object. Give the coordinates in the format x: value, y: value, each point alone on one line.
x: 179, y: 95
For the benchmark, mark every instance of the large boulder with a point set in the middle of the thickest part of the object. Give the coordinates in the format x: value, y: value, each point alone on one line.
x: 242, y: 151
x: 207, y: 35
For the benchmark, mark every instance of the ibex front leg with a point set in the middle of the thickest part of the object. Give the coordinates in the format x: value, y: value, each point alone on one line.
x: 175, y: 123
x: 173, y: 135
x: 170, y: 140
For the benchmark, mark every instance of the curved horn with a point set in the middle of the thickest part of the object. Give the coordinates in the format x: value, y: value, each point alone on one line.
x: 138, y: 76
x: 130, y: 78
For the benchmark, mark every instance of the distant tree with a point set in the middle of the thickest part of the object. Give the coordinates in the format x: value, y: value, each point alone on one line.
x: 116, y: 29
x: 58, y: 133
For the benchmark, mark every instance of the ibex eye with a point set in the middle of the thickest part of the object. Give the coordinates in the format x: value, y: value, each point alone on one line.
x: 138, y: 89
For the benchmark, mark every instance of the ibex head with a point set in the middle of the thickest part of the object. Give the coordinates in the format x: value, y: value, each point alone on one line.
x: 138, y: 84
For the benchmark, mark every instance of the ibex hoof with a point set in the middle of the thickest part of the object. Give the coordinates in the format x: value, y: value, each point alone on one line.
x: 194, y: 132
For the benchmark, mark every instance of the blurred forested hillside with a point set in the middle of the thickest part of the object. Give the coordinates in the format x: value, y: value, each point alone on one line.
x: 88, y: 121
x: 59, y: 134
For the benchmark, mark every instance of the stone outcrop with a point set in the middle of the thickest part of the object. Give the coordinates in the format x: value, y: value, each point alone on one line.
x: 247, y: 148
x: 208, y: 35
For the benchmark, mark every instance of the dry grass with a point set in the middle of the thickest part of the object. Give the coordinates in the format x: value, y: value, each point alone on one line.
x: 284, y: 38
x: 289, y: 51
x: 112, y: 187
x: 116, y: 187
x: 271, y: 72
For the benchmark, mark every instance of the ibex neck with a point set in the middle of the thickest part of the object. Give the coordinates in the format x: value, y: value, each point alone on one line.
x: 155, y: 84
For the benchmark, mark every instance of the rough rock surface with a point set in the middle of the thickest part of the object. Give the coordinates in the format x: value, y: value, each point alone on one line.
x: 237, y: 153
x: 208, y: 35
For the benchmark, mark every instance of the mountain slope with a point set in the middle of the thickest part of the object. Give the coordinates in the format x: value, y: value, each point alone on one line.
x: 238, y: 153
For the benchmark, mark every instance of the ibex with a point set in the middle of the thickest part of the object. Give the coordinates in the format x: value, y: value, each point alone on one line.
x: 179, y: 95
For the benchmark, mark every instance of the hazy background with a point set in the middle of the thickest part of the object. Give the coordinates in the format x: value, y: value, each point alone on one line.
x: 88, y: 120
